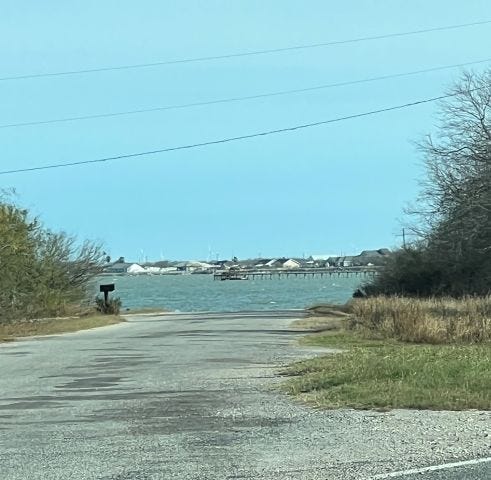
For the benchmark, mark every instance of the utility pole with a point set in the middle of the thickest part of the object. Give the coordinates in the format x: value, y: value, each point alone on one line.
x: 403, y: 238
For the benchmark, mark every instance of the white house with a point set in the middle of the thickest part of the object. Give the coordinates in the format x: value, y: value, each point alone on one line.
x: 125, y: 268
x: 321, y: 258
x: 160, y: 270
x: 194, y: 266
x: 291, y: 264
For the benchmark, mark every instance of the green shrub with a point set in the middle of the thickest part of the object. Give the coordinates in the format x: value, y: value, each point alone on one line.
x: 44, y: 273
x: 112, y: 307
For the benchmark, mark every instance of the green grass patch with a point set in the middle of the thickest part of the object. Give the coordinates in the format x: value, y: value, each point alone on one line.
x: 344, y: 339
x: 10, y: 331
x: 386, y: 374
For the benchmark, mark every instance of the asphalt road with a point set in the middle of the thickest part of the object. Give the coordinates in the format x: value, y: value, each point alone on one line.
x: 196, y: 397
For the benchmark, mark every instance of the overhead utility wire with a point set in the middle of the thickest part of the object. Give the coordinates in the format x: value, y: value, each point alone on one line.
x: 230, y: 139
x: 243, y: 54
x: 238, y: 99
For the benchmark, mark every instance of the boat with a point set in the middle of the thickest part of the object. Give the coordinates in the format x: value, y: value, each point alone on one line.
x: 231, y: 276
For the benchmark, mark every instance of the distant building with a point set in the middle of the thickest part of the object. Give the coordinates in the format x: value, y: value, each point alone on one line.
x: 373, y: 257
x: 192, y: 267
x: 365, y: 258
x: 160, y: 270
x: 291, y: 264
x: 287, y: 263
x: 320, y: 258
x: 262, y: 262
x: 269, y: 263
x: 345, y: 261
x: 123, y: 267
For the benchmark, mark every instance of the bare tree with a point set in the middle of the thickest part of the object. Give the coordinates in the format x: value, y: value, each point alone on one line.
x: 458, y: 159
x: 453, y: 210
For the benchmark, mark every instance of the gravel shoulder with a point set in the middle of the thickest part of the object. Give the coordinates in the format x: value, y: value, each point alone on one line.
x: 194, y: 396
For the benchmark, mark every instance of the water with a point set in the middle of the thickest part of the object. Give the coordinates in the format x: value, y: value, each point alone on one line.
x: 191, y: 293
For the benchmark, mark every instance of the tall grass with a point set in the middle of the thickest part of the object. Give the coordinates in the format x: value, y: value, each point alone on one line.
x: 433, y: 320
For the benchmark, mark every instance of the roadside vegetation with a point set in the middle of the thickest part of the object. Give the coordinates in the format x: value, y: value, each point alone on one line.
x: 451, y: 219
x: 398, y: 353
x: 46, y: 275
x: 421, y: 336
x: 13, y: 330
x: 431, y: 321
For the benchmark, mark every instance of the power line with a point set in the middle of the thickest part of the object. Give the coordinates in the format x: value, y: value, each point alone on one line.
x: 230, y: 139
x: 242, y: 54
x: 239, y: 99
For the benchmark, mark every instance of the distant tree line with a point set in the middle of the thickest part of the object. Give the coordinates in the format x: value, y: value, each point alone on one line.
x: 42, y: 273
x: 452, y: 216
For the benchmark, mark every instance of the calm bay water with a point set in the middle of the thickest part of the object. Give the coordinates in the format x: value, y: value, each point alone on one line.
x: 191, y: 293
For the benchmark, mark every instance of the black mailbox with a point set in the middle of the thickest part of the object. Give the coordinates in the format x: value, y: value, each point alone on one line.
x: 106, y: 289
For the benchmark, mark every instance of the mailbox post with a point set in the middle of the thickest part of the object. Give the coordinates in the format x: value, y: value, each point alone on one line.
x: 106, y: 289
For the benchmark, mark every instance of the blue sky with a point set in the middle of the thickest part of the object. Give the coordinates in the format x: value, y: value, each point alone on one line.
x: 337, y: 188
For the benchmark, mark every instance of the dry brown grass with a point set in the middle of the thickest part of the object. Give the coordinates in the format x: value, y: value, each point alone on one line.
x: 385, y: 364
x: 319, y: 324
x: 332, y: 310
x: 10, y: 331
x: 324, y: 318
x: 434, y: 320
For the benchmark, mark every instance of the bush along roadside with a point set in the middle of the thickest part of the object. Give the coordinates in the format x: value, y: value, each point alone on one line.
x: 44, y: 273
x: 111, y: 307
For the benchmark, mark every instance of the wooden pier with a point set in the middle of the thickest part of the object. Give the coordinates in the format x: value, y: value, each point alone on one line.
x: 297, y: 272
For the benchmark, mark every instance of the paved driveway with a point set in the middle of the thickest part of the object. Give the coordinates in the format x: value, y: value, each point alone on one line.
x: 195, y: 397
